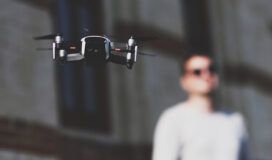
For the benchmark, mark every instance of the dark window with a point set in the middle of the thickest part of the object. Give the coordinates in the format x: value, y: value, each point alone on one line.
x: 82, y: 88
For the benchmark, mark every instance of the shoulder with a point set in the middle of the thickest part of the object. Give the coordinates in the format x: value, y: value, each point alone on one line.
x: 168, y: 122
x: 235, y: 116
x: 174, y: 111
x: 172, y: 114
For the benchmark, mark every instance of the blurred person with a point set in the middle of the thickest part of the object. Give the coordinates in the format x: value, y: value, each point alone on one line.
x: 196, y: 129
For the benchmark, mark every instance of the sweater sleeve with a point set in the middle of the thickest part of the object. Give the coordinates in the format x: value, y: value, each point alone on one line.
x: 244, y: 146
x: 165, y: 145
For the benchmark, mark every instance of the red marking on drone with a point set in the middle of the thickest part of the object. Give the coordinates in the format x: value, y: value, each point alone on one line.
x: 117, y: 49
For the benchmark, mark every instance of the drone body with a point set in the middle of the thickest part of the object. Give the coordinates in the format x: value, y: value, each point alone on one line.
x: 93, y: 49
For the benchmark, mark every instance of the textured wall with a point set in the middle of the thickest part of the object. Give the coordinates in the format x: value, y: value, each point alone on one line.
x: 243, y: 41
x: 26, y: 76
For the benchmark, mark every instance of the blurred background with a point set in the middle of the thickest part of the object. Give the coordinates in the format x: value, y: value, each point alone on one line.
x: 78, y: 112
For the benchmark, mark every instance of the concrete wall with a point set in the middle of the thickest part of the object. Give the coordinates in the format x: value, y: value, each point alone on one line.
x: 26, y: 76
x: 243, y: 44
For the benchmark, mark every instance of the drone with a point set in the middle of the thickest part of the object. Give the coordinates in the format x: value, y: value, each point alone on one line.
x: 94, y: 49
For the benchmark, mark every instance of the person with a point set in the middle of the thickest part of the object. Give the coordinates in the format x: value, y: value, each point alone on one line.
x: 195, y: 129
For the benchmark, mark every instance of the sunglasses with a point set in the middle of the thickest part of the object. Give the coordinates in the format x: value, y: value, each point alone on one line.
x: 200, y: 71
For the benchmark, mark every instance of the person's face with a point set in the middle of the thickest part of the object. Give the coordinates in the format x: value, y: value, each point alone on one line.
x: 200, y: 76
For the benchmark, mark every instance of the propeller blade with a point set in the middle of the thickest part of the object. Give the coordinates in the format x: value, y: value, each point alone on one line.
x: 44, y: 49
x: 46, y: 37
x: 140, y: 53
x: 136, y: 38
x: 147, y: 54
x: 86, y: 30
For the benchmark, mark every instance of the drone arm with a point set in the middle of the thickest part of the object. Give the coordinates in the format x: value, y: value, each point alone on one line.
x: 117, y: 59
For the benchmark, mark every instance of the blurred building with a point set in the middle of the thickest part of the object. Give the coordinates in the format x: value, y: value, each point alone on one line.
x: 74, y: 111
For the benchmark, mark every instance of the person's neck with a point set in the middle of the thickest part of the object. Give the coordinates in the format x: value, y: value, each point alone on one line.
x: 201, y: 103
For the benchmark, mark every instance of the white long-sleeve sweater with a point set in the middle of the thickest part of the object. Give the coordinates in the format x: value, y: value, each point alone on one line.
x: 187, y: 134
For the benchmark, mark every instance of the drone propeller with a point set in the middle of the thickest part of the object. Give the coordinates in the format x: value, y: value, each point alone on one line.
x: 140, y: 53
x: 46, y: 37
x: 146, y: 54
x: 136, y: 38
x: 44, y: 49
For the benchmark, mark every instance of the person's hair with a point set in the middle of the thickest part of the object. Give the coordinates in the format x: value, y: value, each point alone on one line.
x: 186, y: 56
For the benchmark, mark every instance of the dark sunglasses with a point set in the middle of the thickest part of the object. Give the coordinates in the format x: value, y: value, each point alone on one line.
x: 198, y: 72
